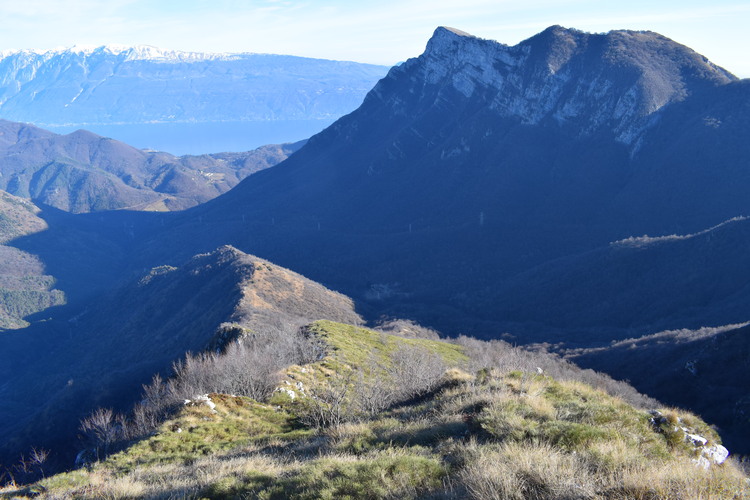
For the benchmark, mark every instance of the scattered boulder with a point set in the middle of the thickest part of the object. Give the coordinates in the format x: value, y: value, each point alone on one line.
x: 289, y: 392
x: 201, y: 400
x: 707, y: 455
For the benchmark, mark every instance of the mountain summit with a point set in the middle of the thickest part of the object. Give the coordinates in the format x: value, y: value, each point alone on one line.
x: 476, y: 162
x: 614, y: 82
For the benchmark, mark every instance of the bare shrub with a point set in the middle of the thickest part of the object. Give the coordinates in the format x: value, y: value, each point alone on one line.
x: 505, y: 357
x: 328, y: 404
x: 156, y: 404
x: 38, y: 456
x: 366, y: 390
x: 144, y: 420
x: 416, y: 370
x: 251, y: 371
x: 497, y: 354
x: 26, y: 470
x: 194, y: 375
x: 156, y: 392
x: 247, y: 367
x: 407, y: 328
x: 373, y: 393
x: 102, y: 429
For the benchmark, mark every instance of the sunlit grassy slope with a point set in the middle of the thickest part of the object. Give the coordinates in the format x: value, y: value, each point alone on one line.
x: 479, y: 435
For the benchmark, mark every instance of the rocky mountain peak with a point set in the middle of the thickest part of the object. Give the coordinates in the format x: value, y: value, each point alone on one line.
x: 445, y: 35
x: 453, y: 51
x: 613, y: 82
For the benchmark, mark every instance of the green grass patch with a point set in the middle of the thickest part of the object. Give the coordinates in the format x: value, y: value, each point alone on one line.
x: 357, y: 347
x: 488, y: 431
x: 61, y: 482
x: 381, y: 476
x: 199, y: 431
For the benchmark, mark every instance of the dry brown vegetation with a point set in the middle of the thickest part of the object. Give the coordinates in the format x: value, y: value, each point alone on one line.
x: 494, y: 433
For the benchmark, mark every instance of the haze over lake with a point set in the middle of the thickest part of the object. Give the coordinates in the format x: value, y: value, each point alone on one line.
x: 205, y: 137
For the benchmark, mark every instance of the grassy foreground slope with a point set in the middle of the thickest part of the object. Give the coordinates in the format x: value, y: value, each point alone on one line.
x: 484, y: 433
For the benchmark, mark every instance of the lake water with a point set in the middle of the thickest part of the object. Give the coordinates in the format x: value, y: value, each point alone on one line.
x: 199, y: 138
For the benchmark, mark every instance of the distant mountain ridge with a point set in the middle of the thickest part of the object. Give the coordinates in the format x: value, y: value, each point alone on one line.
x: 102, y: 354
x: 83, y: 172
x: 478, y: 189
x: 126, y: 52
x: 113, y: 85
x: 484, y: 161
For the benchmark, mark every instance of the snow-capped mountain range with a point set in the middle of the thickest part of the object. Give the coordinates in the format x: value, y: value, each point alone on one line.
x: 91, y: 87
x: 129, y: 53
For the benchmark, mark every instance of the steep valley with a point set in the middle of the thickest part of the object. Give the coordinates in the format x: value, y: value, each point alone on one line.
x: 579, y: 193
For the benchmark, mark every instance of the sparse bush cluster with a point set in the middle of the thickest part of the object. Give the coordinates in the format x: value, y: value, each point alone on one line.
x: 507, y: 358
x: 407, y: 328
x: 411, y: 372
x: 249, y: 366
x: 29, y: 467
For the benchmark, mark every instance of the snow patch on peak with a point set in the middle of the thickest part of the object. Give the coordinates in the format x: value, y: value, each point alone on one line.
x: 149, y: 53
x: 128, y: 53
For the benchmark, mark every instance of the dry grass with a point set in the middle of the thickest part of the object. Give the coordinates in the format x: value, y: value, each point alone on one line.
x: 493, y: 435
x: 522, y: 471
x: 678, y: 480
x: 164, y: 481
x: 517, y: 470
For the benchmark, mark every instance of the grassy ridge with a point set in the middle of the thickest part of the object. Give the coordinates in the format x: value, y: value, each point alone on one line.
x: 486, y: 435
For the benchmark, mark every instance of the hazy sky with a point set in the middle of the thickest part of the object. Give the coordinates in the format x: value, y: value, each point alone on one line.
x: 382, y: 32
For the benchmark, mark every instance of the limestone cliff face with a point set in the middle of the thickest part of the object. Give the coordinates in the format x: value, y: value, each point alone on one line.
x: 616, y: 81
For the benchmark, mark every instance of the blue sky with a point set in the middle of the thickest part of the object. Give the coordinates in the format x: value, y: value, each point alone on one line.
x: 382, y: 32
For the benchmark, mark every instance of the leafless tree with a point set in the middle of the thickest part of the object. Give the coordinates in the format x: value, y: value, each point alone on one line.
x: 416, y: 370
x: 328, y: 404
x: 38, y: 457
x: 374, y: 389
x: 102, y: 429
